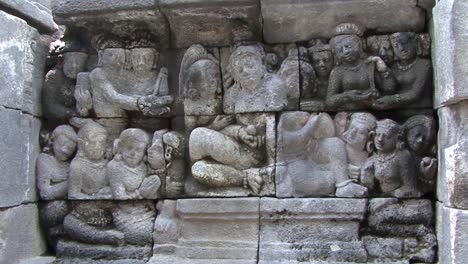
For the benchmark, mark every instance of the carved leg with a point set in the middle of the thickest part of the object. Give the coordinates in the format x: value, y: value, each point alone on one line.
x: 217, y: 175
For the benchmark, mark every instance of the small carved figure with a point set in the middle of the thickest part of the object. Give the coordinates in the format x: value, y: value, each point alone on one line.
x: 420, y: 133
x: 322, y: 61
x: 174, y: 155
x: 58, y: 92
x: 391, y: 166
x: 289, y: 71
x: 357, y: 138
x: 200, y: 82
x: 311, y: 160
x: 412, y: 74
x: 228, y: 154
x: 253, y: 88
x: 114, y: 90
x: 88, y: 169
x: 127, y: 172
x: 381, y: 48
x: 352, y: 83
x: 53, y: 170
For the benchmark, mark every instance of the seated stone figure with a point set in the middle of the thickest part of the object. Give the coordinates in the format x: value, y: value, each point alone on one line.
x: 88, y: 169
x: 127, y: 172
x: 200, y: 82
x: 228, y: 155
x: 352, y: 83
x: 412, y: 74
x: 253, y: 88
x: 420, y: 133
x: 53, y: 170
x: 311, y: 160
x: 391, y: 167
x: 114, y: 90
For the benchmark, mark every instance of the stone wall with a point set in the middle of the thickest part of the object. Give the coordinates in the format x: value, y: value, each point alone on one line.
x: 25, y: 35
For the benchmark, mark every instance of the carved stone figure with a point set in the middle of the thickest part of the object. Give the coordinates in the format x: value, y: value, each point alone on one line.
x: 311, y: 161
x: 58, y: 91
x: 420, y: 134
x: 53, y: 170
x: 52, y: 214
x: 115, y: 90
x: 352, y: 83
x: 252, y: 88
x: 200, y: 82
x: 289, y: 71
x: 231, y: 153
x: 380, y: 46
x: 391, y: 167
x: 412, y: 74
x: 357, y: 138
x: 127, y: 172
x: 104, y: 230
x: 174, y: 155
x: 88, y: 178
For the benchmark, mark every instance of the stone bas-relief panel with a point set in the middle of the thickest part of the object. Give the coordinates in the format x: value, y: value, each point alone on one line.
x: 354, y: 155
x: 100, y: 230
x: 105, y: 160
x: 337, y: 230
x: 231, y: 155
x: 211, y: 230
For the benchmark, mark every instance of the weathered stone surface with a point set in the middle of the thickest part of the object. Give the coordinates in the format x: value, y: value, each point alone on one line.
x: 231, y: 155
x: 35, y: 12
x: 310, y: 230
x: 22, y: 65
x: 122, y: 18
x: 204, y: 22
x: 450, y: 52
x: 292, y: 21
x: 207, y: 231
x: 20, y: 234
x: 452, y: 233
x: 452, y: 184
x: 39, y: 260
x: 20, y: 148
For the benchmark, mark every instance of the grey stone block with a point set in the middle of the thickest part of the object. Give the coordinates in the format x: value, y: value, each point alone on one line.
x: 20, y: 148
x: 452, y: 233
x: 39, y: 260
x: 207, y: 231
x: 20, y: 234
x: 450, y: 52
x: 74, y: 7
x: 35, y: 12
x: 311, y: 230
x: 293, y: 20
x: 22, y: 60
x: 212, y: 22
x: 452, y: 184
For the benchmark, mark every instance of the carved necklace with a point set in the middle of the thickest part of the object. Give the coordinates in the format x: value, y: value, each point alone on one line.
x: 405, y: 67
x: 384, y: 158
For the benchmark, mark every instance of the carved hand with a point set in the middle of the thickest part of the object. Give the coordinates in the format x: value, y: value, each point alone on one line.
x: 251, y: 140
x: 354, y: 172
x: 222, y: 121
x: 428, y: 167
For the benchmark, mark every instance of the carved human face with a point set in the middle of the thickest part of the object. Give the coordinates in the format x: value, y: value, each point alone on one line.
x: 63, y: 147
x: 418, y: 139
x: 347, y: 48
x: 248, y: 70
x: 380, y: 46
x: 404, y: 46
x: 289, y: 71
x: 113, y: 58
x: 142, y: 59
x: 133, y: 152
x: 356, y: 135
x: 385, y: 139
x: 323, y: 63
x: 204, y: 80
x: 74, y: 63
x: 94, y: 147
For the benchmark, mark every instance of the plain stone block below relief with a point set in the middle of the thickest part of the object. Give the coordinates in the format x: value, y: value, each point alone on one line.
x: 450, y: 52
x: 212, y: 22
x: 36, y: 12
x: 292, y: 21
x: 23, y: 53
x: 20, y: 148
x: 223, y: 230
x: 20, y: 234
x: 452, y: 184
x: 452, y: 233
x: 311, y: 230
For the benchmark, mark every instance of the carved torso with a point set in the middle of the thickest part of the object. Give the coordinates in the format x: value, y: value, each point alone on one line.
x: 131, y: 178
x: 92, y: 174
